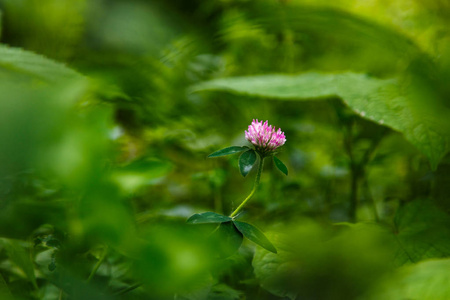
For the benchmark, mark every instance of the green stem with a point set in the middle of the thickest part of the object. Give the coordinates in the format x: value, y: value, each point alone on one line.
x: 97, y: 265
x: 255, y: 186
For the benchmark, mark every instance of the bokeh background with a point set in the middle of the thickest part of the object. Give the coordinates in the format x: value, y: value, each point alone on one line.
x: 109, y: 108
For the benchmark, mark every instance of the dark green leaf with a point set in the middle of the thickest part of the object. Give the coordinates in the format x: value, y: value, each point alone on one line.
x: 228, y: 238
x: 282, y: 167
x: 207, y: 217
x: 52, y: 266
x: 246, y: 161
x: 255, y: 235
x: 228, y: 151
x: 421, y: 231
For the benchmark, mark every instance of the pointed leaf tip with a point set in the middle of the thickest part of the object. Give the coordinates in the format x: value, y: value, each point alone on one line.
x: 246, y: 161
x: 280, y: 165
x: 228, y: 151
x: 207, y: 217
x: 255, y: 235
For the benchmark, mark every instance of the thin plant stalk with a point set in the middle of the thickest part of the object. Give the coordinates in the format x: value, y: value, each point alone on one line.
x: 255, y: 186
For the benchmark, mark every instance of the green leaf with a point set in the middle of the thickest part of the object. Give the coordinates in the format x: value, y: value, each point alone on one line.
x: 280, y: 165
x: 224, y: 292
x: 207, y: 217
x: 140, y: 173
x: 421, y: 231
x: 17, y: 254
x: 383, y: 101
x: 228, y: 151
x: 228, y: 238
x: 246, y: 161
x: 267, y: 269
x: 18, y: 61
x: 5, y: 293
x: 310, y: 253
x: 427, y: 280
x: 255, y: 235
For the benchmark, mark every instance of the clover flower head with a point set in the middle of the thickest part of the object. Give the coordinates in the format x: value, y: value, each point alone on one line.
x: 265, y: 137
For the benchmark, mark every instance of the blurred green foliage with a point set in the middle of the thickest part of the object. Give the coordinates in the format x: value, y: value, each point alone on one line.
x: 109, y: 109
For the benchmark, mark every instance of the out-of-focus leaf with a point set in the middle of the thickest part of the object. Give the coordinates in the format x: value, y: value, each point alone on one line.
x: 314, y: 261
x: 223, y: 292
x: 139, y: 173
x: 228, y: 151
x: 255, y: 235
x: 39, y: 117
x: 421, y: 231
x: 16, y: 60
x: 427, y: 280
x: 134, y: 27
x: 228, y: 239
x: 269, y: 270
x: 172, y: 259
x: 5, y: 293
x: 246, y: 161
x: 198, y: 291
x: 280, y: 165
x: 380, y: 100
x: 208, y: 217
x: 20, y: 257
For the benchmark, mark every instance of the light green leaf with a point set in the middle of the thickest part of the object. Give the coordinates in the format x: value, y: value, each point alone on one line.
x: 427, y: 280
x: 228, y: 151
x: 140, y: 173
x: 382, y: 100
x: 255, y: 235
x: 280, y: 165
x: 207, y: 217
x: 18, y: 61
x: 246, y: 162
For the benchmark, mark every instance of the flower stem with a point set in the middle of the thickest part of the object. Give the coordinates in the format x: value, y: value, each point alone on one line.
x: 255, y: 186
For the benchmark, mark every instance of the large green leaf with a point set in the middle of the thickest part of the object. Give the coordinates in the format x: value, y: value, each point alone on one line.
x: 382, y: 100
x: 207, y: 217
x: 255, y: 235
x: 427, y: 280
x: 421, y: 231
x: 318, y: 262
x: 29, y: 64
